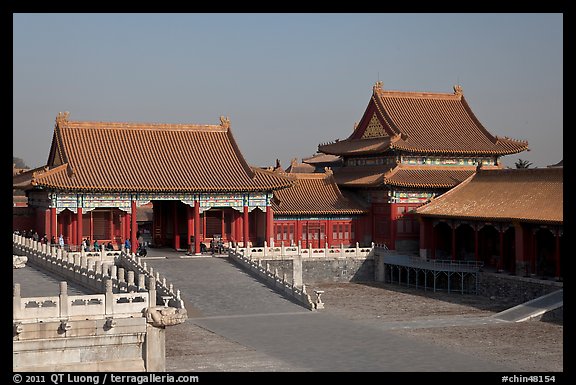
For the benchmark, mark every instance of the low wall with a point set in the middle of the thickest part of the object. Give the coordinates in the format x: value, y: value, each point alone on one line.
x: 325, y: 269
x: 515, y: 289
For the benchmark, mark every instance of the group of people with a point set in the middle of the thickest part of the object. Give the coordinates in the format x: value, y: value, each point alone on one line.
x: 95, y: 245
x: 44, y: 240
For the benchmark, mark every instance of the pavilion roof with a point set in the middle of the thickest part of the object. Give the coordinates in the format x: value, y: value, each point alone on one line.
x: 530, y: 195
x: 114, y: 156
x: 418, y: 176
x: 421, y: 122
x: 314, y: 194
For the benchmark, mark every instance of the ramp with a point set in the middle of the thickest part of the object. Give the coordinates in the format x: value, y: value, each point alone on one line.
x: 533, y: 309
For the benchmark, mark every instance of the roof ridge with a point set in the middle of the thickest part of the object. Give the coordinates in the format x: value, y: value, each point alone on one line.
x: 144, y: 125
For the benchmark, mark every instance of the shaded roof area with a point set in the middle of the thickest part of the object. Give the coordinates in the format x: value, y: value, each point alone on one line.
x: 112, y: 156
x: 532, y: 195
x: 296, y: 167
x: 422, y: 122
x: 402, y: 175
x: 314, y: 193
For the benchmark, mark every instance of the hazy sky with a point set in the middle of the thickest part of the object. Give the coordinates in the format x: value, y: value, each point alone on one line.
x: 287, y: 81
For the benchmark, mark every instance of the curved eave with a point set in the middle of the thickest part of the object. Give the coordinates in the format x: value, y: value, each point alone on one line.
x: 160, y: 190
x: 493, y: 219
x: 463, y: 151
x: 426, y: 185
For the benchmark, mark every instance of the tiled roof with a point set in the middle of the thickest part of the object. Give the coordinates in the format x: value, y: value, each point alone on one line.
x: 296, y: 167
x: 423, y: 122
x: 403, y: 176
x: 314, y: 194
x: 353, y: 146
x: 115, y: 156
x: 322, y: 158
x: 532, y: 195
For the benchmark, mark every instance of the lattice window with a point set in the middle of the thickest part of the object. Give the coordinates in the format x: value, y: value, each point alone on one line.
x: 374, y: 129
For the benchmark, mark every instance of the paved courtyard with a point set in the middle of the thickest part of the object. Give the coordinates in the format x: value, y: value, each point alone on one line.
x: 238, y: 324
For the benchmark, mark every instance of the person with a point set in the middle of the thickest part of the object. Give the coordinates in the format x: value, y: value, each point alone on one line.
x: 127, y: 245
x: 212, y: 246
x: 35, y: 236
x: 96, y: 245
x: 44, y: 239
x: 109, y: 246
x: 53, y: 240
x: 61, y: 241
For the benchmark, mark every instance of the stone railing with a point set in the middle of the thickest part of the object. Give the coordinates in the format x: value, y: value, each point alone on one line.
x: 80, y: 307
x: 165, y: 291
x: 282, y: 252
x: 126, y: 272
x: 279, y: 283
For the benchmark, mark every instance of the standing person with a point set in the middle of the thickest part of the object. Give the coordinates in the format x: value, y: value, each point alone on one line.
x: 96, y: 245
x: 127, y: 245
x: 35, y: 236
x: 61, y: 241
x: 53, y: 240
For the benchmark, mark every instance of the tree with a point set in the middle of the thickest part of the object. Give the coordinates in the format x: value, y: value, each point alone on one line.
x: 19, y: 162
x: 523, y: 163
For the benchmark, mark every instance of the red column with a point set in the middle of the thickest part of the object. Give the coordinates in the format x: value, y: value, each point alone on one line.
x: 190, y: 227
x: 453, y: 242
x: 233, y: 225
x: 127, y: 221
x: 245, y: 227
x: 222, y: 226
x: 73, y: 236
x: 91, y: 227
x: 134, y: 227
x: 557, y: 255
x: 393, y: 225
x: 53, y: 229
x: 175, y: 221
x: 196, y: 227
x: 79, y: 226
x: 269, y: 224
x: 69, y: 227
x: 298, y: 234
x: 328, y: 232
x: 112, y: 232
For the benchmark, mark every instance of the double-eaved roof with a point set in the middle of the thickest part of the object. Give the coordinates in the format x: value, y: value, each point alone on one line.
x: 149, y: 157
x: 524, y: 195
x: 421, y: 122
x: 417, y: 176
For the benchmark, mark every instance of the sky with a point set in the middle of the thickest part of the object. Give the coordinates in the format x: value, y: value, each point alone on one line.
x: 288, y: 82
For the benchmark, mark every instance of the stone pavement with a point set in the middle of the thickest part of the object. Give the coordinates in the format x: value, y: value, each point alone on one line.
x: 238, y: 324
x: 36, y: 283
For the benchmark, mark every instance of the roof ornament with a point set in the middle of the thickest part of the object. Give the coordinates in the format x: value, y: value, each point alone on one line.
x: 378, y: 85
x: 62, y: 117
x: 457, y: 89
x: 224, y: 121
x: 355, y: 125
x: 328, y: 171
